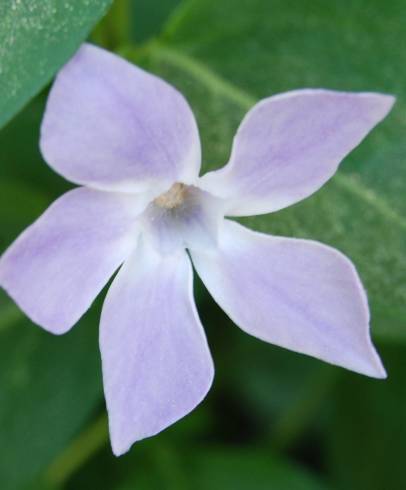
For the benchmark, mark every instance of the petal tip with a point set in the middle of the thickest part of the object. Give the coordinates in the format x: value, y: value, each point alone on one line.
x: 379, y: 371
x: 55, y: 328
x: 373, y: 366
x: 390, y: 99
x: 382, y: 103
x: 119, y: 449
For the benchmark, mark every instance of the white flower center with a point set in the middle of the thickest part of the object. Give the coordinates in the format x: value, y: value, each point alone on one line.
x: 172, y: 198
x: 185, y: 216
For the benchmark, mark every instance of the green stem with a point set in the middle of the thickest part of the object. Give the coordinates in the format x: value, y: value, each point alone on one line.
x: 78, y: 452
x: 115, y: 29
x: 206, y: 76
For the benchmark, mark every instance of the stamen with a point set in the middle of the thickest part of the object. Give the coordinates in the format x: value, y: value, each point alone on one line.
x: 172, y: 198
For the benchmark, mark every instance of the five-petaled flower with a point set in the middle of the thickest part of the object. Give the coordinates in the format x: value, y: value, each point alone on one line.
x: 131, y: 142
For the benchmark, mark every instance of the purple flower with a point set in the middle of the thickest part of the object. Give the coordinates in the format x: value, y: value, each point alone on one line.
x: 131, y: 141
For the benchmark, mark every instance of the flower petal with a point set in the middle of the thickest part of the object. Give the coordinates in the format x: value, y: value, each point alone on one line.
x: 289, y: 145
x: 110, y: 125
x: 297, y: 294
x: 156, y: 363
x: 56, y: 268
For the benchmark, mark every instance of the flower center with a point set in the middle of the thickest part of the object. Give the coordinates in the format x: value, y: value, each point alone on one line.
x: 184, y: 216
x: 172, y: 198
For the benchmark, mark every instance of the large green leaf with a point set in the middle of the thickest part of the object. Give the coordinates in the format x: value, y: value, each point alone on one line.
x: 36, y: 38
x: 265, y: 47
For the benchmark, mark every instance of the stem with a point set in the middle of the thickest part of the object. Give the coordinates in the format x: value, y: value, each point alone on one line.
x: 115, y: 29
x: 78, y: 452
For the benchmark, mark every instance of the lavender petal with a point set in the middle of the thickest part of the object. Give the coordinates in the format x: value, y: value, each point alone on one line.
x: 297, y: 294
x: 112, y: 126
x: 57, y: 266
x: 156, y: 363
x: 289, y: 145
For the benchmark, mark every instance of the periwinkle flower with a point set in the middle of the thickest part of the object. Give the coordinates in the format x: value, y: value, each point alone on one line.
x: 131, y: 141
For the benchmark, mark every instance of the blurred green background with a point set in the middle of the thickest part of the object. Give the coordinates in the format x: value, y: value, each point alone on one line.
x: 273, y: 419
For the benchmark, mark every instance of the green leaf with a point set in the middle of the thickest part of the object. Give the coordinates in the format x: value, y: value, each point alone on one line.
x: 264, y: 48
x: 36, y: 38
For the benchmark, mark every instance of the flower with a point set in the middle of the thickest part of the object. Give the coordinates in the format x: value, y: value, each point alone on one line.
x: 131, y: 142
